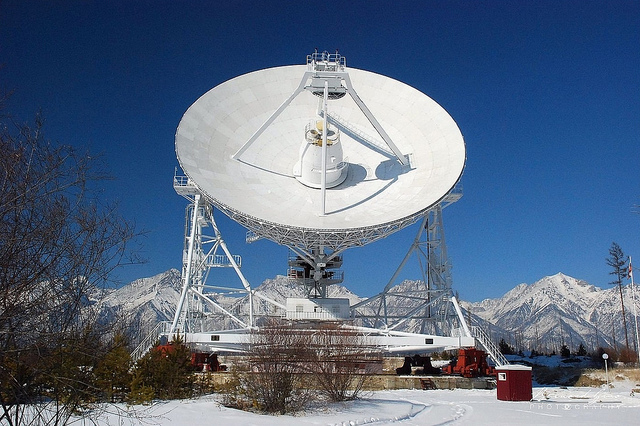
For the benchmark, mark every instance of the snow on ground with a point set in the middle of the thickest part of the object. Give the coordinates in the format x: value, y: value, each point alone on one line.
x: 550, y: 406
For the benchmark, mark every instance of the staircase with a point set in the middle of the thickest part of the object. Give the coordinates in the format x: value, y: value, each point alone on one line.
x: 494, y: 352
x: 148, y: 342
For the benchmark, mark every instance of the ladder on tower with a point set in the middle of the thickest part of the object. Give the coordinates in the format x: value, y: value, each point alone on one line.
x: 494, y: 352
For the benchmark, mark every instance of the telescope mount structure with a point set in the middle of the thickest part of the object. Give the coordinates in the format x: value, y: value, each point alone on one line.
x: 296, y: 156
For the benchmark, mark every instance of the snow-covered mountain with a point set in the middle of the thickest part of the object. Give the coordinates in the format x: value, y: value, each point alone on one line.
x: 557, y: 310
x: 553, y: 311
x: 142, y: 304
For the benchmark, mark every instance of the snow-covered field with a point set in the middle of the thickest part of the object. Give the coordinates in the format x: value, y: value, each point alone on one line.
x: 550, y: 406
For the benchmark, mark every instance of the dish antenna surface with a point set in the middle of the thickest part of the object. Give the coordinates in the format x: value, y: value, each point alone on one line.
x: 243, y: 144
x: 320, y: 157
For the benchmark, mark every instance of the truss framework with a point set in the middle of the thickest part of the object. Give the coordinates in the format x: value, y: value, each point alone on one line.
x: 203, y: 251
x: 429, y: 302
x: 336, y: 240
x: 429, y: 305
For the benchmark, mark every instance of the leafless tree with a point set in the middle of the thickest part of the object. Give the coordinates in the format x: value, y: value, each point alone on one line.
x: 287, y: 364
x: 340, y: 361
x: 277, y: 355
x: 618, y: 262
x: 59, y: 243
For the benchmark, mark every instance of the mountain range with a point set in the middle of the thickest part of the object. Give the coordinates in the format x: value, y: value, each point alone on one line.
x: 558, y: 310
x: 554, y: 311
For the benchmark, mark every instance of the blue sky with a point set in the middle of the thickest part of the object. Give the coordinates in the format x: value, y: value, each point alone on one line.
x: 546, y: 93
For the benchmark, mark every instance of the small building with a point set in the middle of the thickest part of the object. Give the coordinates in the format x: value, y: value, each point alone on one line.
x: 514, y: 383
x: 318, y: 309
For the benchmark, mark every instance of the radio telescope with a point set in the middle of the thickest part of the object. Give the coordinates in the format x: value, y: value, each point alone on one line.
x: 319, y: 158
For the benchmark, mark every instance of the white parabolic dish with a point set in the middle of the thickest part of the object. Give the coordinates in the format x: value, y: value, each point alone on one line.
x: 259, y: 189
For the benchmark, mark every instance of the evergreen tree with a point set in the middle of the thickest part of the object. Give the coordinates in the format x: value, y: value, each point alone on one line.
x: 164, y: 373
x: 113, y: 374
x: 581, y: 350
x: 505, y: 348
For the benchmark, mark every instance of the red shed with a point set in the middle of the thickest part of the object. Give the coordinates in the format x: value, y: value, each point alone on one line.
x: 514, y: 383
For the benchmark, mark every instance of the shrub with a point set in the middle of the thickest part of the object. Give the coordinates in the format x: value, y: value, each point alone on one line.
x: 271, y: 383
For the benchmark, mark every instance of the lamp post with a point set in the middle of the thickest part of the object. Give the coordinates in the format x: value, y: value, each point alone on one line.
x: 606, y: 370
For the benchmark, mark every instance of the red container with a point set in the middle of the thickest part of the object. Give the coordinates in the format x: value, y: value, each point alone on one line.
x: 514, y: 383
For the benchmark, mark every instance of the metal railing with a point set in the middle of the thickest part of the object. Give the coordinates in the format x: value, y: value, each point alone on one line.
x: 326, y: 61
x: 180, y: 181
x: 184, y: 186
x: 215, y: 260
x: 147, y: 343
x: 252, y: 237
x: 489, y: 346
x: 222, y: 261
x: 319, y: 315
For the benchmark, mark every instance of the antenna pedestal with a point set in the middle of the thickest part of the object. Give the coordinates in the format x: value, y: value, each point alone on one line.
x: 203, y: 251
